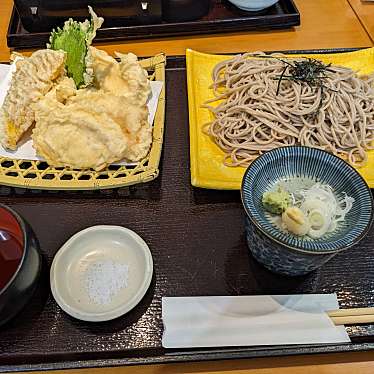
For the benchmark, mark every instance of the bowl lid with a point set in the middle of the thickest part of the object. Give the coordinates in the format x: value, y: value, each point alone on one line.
x: 101, y: 273
x: 305, y: 162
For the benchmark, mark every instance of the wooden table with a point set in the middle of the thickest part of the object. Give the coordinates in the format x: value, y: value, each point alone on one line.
x: 325, y: 24
x: 365, y: 13
x: 360, y: 363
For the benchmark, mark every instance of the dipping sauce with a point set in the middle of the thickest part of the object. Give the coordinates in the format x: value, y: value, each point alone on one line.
x: 11, y: 246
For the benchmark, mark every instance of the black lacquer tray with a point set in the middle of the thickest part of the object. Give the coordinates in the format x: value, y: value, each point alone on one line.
x: 223, y: 17
x: 197, y: 240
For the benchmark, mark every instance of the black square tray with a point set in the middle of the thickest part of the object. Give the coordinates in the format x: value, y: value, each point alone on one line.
x: 198, y: 245
x: 222, y: 17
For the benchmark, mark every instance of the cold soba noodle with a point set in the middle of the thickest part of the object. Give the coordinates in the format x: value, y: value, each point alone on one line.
x: 271, y: 101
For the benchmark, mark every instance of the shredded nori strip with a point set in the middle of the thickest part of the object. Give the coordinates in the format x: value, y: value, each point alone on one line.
x: 309, y: 71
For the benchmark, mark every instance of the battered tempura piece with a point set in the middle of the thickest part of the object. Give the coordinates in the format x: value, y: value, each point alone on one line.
x: 34, y: 77
x: 126, y: 78
x: 89, y: 109
x: 94, y: 127
x: 89, y: 128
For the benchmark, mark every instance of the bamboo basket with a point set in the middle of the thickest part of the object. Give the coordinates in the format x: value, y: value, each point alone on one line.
x: 39, y: 175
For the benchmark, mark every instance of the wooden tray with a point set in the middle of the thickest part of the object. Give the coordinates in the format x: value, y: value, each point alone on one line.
x: 223, y: 17
x: 197, y: 240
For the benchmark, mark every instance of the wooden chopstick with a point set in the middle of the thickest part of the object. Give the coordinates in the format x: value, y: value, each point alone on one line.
x: 352, y: 316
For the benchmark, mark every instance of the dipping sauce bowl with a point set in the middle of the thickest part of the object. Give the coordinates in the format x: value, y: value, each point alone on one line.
x: 287, y: 254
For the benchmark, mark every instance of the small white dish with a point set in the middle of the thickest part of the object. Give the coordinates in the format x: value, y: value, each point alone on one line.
x: 253, y: 5
x: 101, y: 273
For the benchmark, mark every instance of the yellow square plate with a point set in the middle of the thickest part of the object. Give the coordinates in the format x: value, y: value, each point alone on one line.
x: 207, y: 168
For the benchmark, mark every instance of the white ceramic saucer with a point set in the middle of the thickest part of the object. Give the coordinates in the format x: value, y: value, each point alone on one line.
x: 124, y: 262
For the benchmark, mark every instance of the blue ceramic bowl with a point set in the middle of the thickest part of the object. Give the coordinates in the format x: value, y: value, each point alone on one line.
x: 291, y: 255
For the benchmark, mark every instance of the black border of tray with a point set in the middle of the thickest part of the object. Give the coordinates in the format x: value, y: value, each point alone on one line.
x: 208, y: 354
x: 255, y: 21
x: 194, y: 356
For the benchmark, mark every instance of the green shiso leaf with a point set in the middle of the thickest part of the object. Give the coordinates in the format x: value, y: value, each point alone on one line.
x: 72, y: 40
x: 75, y: 38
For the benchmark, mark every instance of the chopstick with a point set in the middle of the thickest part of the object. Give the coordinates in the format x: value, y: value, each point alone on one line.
x: 352, y: 316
